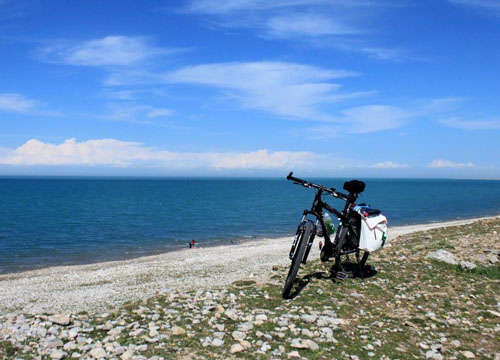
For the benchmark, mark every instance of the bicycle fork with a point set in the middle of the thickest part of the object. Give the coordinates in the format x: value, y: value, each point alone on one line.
x: 296, y: 238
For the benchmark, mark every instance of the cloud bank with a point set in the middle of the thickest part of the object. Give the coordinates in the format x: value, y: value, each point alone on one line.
x: 443, y: 163
x: 112, y: 50
x: 118, y: 153
x: 286, y: 89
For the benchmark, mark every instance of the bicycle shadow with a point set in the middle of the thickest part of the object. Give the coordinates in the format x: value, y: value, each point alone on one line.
x: 349, y: 268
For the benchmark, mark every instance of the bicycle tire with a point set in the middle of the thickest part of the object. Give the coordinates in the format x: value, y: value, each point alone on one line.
x: 297, y: 260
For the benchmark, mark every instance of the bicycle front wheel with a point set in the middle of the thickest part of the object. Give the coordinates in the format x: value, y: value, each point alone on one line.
x: 297, y: 258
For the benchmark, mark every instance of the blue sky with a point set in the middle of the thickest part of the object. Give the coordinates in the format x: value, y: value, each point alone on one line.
x: 250, y: 88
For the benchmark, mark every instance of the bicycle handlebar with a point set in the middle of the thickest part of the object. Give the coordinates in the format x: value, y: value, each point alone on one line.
x: 308, y: 184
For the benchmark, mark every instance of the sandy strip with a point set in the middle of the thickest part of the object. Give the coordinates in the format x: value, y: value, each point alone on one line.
x: 95, y: 287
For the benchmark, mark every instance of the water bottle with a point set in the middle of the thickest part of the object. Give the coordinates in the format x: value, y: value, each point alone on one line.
x: 330, y: 228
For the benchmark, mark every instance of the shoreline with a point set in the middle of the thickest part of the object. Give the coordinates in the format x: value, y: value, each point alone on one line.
x: 93, y: 287
x: 208, y: 244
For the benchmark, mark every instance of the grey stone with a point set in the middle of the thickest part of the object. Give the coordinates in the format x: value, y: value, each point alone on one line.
x: 217, y: 342
x: 231, y: 314
x: 309, y: 318
x: 246, y: 326
x: 236, y: 348
x: 468, y: 354
x: 238, y: 335
x: 433, y: 355
x: 177, y: 330
x: 57, y: 354
x: 98, y: 353
x: 60, y: 319
x: 467, y: 265
x: 492, y: 258
x: 444, y: 256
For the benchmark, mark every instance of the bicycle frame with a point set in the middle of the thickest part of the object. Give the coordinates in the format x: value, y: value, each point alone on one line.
x: 316, y: 210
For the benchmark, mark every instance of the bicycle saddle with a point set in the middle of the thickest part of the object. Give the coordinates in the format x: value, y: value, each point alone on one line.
x: 354, y: 186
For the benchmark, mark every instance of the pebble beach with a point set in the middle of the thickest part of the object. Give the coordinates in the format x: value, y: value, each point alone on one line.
x: 98, y: 286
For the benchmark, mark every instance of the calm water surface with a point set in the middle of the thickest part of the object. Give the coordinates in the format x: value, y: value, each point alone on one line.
x: 56, y: 221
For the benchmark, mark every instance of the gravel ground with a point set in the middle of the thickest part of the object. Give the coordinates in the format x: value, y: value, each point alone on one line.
x: 96, y: 287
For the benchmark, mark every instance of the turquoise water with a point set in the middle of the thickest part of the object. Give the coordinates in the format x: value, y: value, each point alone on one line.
x: 56, y: 221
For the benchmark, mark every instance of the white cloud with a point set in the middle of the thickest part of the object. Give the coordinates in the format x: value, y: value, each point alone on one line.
x: 16, y: 103
x: 285, y: 89
x: 306, y: 24
x: 107, y: 51
x: 385, y: 53
x: 134, y: 113
x: 443, y: 163
x: 489, y: 124
x: 231, y: 6
x: 325, y: 23
x: 124, y: 154
x: 370, y: 118
x: 158, y: 112
x: 388, y: 165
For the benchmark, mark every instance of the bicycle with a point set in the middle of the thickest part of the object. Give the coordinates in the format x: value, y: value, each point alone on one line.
x: 347, y: 235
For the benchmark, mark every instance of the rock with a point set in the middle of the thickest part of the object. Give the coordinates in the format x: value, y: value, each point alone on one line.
x: 444, y: 256
x: 71, y: 345
x: 217, y: 342
x: 127, y: 355
x: 60, y: 319
x: 261, y: 317
x: 368, y: 347
x: 246, y: 326
x: 431, y: 354
x: 309, y: 318
x: 219, y: 335
x: 311, y: 345
x: 98, y: 353
x: 492, y: 258
x: 238, y: 335
x: 493, y: 312
x: 219, y: 309
x: 76, y: 355
x: 468, y: 354
x: 307, y: 332
x: 137, y: 332
x: 304, y: 344
x: 231, y: 314
x: 219, y: 327
x: 73, y: 333
x: 455, y: 343
x: 178, y: 331
x: 115, y: 331
x: 293, y: 355
x: 236, y: 348
x: 423, y: 345
x: 245, y: 344
x: 468, y: 265
x: 265, y: 346
x: 57, y: 354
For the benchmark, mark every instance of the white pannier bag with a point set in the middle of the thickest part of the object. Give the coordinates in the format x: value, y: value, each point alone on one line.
x: 373, y: 232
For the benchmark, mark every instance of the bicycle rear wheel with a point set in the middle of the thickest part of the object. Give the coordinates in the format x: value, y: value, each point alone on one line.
x: 300, y: 250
